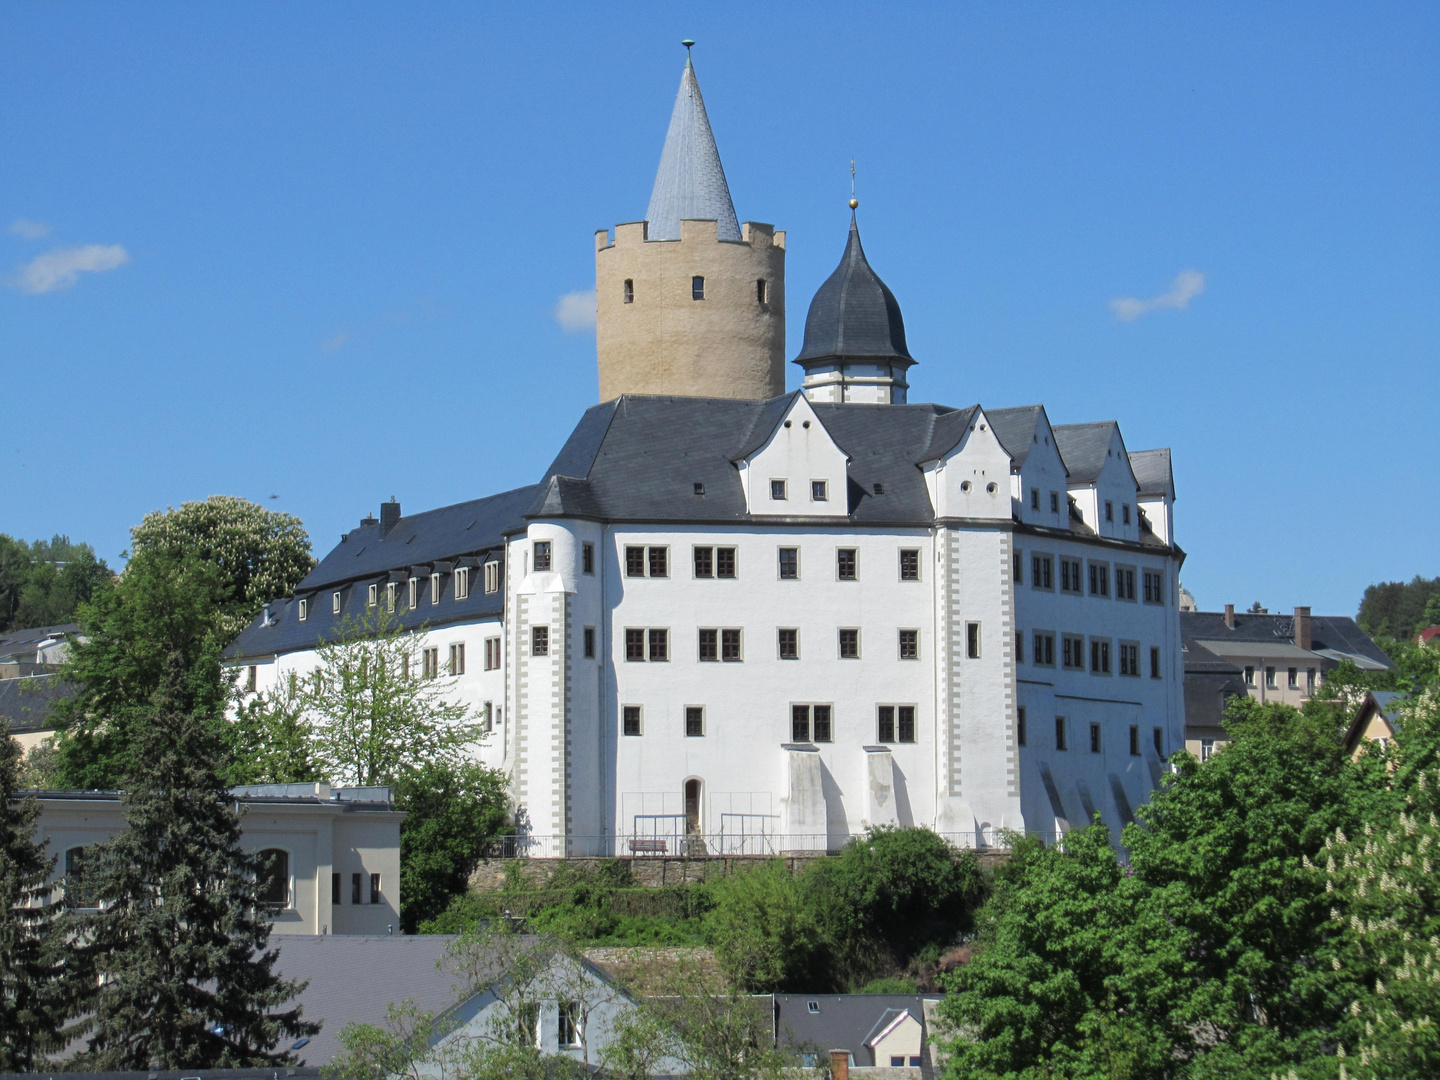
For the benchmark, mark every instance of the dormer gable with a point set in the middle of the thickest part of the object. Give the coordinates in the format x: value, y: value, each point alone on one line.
x: 792, y: 466
x: 1157, y: 491
x: 1039, y: 481
x: 972, y: 478
x: 1102, y: 482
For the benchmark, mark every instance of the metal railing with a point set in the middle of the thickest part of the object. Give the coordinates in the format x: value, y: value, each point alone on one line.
x: 656, y: 841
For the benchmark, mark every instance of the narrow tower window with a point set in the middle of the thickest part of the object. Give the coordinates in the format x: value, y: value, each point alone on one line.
x: 760, y: 290
x: 629, y: 290
x: 697, y: 288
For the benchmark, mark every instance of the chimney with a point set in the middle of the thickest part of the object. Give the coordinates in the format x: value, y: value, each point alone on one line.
x: 1301, y: 628
x: 389, y: 515
x: 839, y: 1065
x: 1230, y: 616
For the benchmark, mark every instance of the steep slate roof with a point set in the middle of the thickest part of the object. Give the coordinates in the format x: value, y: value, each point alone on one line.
x: 1152, y: 471
x: 1016, y: 429
x: 25, y: 702
x: 1210, y: 681
x: 854, y: 315
x: 690, y: 183
x: 844, y: 1022
x: 15, y: 644
x: 1328, y: 633
x: 1084, y: 447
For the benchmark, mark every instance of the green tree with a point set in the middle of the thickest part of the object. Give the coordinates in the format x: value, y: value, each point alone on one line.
x: 44, y: 583
x: 765, y: 936
x: 260, y: 554
x: 1398, y: 608
x: 273, y: 739
x: 32, y: 1004
x: 172, y: 969
x: 453, y: 812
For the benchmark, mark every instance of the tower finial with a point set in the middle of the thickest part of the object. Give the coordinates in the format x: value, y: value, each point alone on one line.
x: 854, y: 202
x: 688, y: 43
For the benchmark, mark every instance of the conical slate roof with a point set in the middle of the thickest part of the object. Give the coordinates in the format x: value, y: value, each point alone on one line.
x: 690, y: 182
x: 854, y: 315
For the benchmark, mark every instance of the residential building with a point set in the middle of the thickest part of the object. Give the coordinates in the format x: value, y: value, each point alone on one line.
x: 728, y: 619
x: 1376, y: 721
x: 879, y: 1033
x: 29, y: 686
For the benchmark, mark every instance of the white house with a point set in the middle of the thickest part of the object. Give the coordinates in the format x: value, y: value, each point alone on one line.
x: 746, y: 623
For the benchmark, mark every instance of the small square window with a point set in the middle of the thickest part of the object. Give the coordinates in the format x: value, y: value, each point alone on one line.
x: 819, y: 491
x: 845, y: 568
x: 914, y: 1061
x: 697, y: 288
x: 849, y: 644
x: 699, y: 488
x: 789, y: 644
x: 542, y: 555
x: 587, y: 558
x: 789, y: 563
x: 539, y: 641
x: 877, y: 488
x: 694, y: 721
x: 777, y: 490
x: 909, y: 644
x: 909, y: 564
x: 630, y: 720
x: 897, y: 1061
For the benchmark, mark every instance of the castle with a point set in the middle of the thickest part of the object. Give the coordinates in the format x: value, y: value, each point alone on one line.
x: 729, y: 619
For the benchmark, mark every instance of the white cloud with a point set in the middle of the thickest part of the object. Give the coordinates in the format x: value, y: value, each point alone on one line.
x: 335, y: 343
x: 1187, y: 285
x: 61, y: 268
x: 29, y: 230
x: 576, y: 312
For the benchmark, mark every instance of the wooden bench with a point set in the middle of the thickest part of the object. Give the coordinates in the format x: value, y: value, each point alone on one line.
x: 648, y: 847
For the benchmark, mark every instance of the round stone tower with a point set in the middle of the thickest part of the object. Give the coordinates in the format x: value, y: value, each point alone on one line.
x: 689, y: 302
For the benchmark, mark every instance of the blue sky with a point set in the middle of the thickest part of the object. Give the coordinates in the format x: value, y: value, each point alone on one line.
x: 315, y: 251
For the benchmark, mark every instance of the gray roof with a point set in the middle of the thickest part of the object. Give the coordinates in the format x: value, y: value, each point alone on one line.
x: 1327, y: 632
x: 844, y: 1021
x: 1017, y: 429
x: 25, y: 702
x: 15, y: 644
x: 690, y: 183
x: 1152, y: 471
x: 1210, y: 681
x: 1084, y: 448
x: 854, y: 315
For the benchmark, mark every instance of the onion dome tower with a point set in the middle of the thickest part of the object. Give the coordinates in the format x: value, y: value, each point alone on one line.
x: 690, y: 302
x: 854, y: 335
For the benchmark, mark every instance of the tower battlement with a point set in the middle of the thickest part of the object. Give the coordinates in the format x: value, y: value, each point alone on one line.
x: 636, y: 232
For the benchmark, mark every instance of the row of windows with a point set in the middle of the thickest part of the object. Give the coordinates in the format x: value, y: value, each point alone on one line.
x: 391, y: 595
x: 1074, y: 653
x: 1292, y: 679
x: 722, y: 562
x: 357, y: 882
x: 809, y: 722
x: 646, y: 643
x: 697, y: 289
x: 1109, y: 507
x: 1073, y: 577
x: 1062, y: 735
x: 780, y: 489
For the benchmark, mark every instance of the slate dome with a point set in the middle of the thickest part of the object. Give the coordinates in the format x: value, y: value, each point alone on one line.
x: 854, y: 316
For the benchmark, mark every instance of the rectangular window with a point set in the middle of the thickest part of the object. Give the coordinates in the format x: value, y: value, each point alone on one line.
x: 905, y: 723
x: 1044, y: 654
x: 822, y: 723
x: 729, y: 645
x: 1130, y: 660
x: 412, y: 593
x: 629, y: 292
x: 819, y: 491
x: 1207, y: 749
x: 373, y: 597
x: 589, y: 638
x: 972, y: 640
x: 789, y: 563
x: 799, y: 723
x: 1059, y: 733
x: 1034, y: 498
x: 630, y: 720
x: 895, y: 723
x: 845, y: 564
x: 1249, y: 676
x: 251, y: 677
x: 1154, y: 661
x: 724, y: 562
x: 760, y: 290
x: 777, y: 490
x: 1070, y: 579
x: 335, y: 603
x: 542, y: 555
x: 1072, y: 651
x: 1158, y: 738
x: 457, y: 658
x: 697, y: 288
x: 897, y: 1061
x: 336, y: 896
x: 849, y: 644
x: 539, y: 641
x: 909, y: 644
x: 302, y: 608
x: 434, y: 588
x: 1042, y: 572
x: 694, y: 721
x: 356, y: 884
x: 430, y: 663
x: 1293, y: 681
x: 587, y: 558
x: 1270, y: 678
x: 789, y: 644
x: 492, y: 654
x: 1134, y: 740
x: 462, y: 583
x: 634, y: 644
x: 1099, y: 579
x: 492, y: 577
x: 1124, y: 583
x: 1099, y: 656
x: 1125, y: 513
x: 1019, y: 646
x: 1109, y: 510
x: 659, y: 644
x: 568, y: 1030
x: 1020, y: 726
x: 1094, y: 738
x: 391, y: 589
x: 375, y: 897
x: 1054, y: 502
x: 704, y: 562
x: 1310, y: 681
x: 1154, y: 587
x: 885, y: 724
x: 659, y: 562
x: 634, y: 562
x: 1017, y: 566
x: 709, y: 644
x: 909, y: 564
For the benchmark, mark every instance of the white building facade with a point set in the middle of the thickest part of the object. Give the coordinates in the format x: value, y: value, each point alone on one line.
x: 734, y: 626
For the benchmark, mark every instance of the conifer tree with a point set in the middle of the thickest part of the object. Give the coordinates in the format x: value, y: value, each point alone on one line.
x: 31, y: 1009
x: 175, y: 961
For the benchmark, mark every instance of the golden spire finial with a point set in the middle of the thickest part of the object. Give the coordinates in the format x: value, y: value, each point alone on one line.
x: 854, y: 202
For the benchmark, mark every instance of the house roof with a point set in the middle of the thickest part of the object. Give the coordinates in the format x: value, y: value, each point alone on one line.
x: 1152, y: 471
x: 16, y: 643
x: 1017, y: 429
x: 1329, y: 634
x: 844, y: 1021
x: 1084, y: 448
x: 854, y: 314
x: 690, y: 182
x: 25, y: 702
x: 1257, y: 650
x: 1375, y: 702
